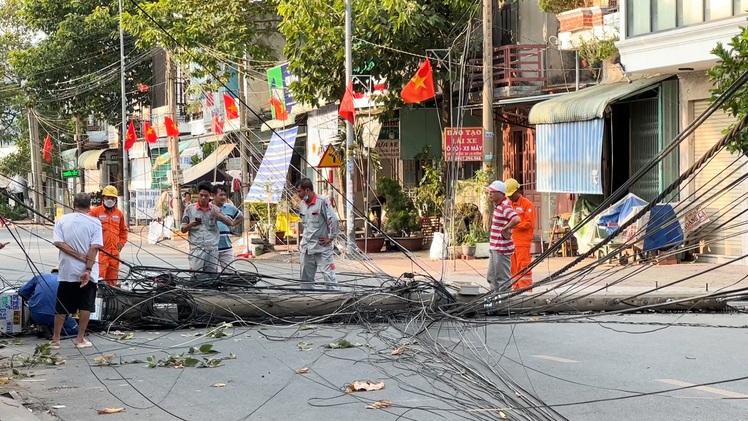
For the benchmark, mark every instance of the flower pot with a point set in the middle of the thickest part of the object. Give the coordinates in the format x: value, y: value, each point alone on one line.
x: 370, y: 245
x: 468, y: 250
x: 482, y: 250
x: 410, y: 243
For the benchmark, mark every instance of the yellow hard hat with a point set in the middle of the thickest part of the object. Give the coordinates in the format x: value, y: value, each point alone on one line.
x: 511, y: 186
x: 109, y: 191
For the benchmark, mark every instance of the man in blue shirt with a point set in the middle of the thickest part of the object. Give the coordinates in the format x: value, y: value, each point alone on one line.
x: 41, y: 295
x: 225, y: 249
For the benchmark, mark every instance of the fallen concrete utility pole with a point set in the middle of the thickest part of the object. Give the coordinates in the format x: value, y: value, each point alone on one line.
x: 598, y: 302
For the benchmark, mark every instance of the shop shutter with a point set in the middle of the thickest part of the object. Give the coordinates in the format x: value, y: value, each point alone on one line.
x: 723, y: 209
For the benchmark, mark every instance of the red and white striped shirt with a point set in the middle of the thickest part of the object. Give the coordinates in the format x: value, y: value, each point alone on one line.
x: 502, y: 214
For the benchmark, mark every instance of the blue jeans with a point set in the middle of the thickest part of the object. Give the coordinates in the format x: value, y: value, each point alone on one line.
x: 70, y: 327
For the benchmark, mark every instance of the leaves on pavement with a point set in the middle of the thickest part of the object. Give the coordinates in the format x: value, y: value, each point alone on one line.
x: 364, y: 386
x: 379, y: 404
x: 110, y: 410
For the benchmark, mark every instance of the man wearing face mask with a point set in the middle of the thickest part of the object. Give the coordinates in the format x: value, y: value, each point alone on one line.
x: 114, y: 231
x: 321, y: 227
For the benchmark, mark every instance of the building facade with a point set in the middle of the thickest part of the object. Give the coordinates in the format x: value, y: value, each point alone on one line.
x: 677, y: 37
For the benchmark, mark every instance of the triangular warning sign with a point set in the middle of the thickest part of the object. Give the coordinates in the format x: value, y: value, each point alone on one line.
x: 330, y: 159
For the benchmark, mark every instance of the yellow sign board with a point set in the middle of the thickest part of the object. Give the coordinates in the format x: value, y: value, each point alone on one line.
x: 330, y: 159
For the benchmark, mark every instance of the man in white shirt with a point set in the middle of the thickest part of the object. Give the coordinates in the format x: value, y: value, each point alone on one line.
x: 78, y: 236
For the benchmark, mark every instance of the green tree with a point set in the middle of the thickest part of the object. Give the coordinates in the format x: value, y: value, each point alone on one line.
x: 385, y: 33
x: 733, y: 62
x: 208, y: 34
x: 73, y: 70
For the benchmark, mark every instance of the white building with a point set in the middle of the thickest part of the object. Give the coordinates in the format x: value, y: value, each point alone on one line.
x: 676, y: 37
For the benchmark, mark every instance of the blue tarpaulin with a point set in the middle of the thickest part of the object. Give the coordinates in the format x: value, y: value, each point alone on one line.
x: 270, y: 181
x: 617, y: 213
x: 663, y: 228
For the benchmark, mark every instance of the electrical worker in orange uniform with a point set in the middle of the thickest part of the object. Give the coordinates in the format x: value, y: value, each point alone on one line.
x: 114, y: 231
x: 522, y: 234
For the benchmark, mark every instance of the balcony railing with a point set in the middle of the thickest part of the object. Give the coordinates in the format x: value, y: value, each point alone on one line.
x: 513, y: 65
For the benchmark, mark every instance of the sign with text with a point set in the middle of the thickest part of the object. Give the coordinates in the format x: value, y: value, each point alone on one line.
x: 463, y: 144
x: 388, y: 142
x: 71, y: 173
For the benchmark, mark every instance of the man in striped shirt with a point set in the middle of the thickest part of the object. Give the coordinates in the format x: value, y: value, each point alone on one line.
x: 501, y: 247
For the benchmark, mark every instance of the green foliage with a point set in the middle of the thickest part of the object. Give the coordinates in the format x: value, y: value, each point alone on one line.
x: 314, y: 31
x: 596, y: 49
x: 211, y: 32
x: 733, y: 62
x: 74, y: 69
x: 430, y: 191
x: 559, y: 6
x: 402, y: 215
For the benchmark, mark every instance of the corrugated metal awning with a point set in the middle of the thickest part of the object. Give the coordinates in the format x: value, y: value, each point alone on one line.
x: 89, y: 160
x: 588, y: 103
x: 209, y: 163
x: 166, y: 157
x: 569, y: 157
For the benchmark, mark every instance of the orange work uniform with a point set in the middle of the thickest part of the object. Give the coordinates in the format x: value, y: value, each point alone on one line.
x: 522, y: 236
x: 114, y: 231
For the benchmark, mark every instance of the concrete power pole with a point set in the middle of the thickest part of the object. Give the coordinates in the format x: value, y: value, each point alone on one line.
x: 488, y: 138
x: 244, y: 154
x: 36, y: 166
x: 173, y: 146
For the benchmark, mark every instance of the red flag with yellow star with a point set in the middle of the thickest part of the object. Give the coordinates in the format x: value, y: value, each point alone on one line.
x: 150, y: 134
x: 172, y: 130
x: 130, y: 137
x: 230, y: 104
x: 421, y: 86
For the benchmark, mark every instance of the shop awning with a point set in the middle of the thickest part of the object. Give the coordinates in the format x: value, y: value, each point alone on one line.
x: 209, y: 163
x: 89, y: 160
x: 569, y: 157
x: 69, y: 158
x: 588, y: 103
x: 166, y: 157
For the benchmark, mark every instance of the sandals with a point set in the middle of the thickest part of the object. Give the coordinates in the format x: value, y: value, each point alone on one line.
x: 84, y: 344
x: 54, y: 345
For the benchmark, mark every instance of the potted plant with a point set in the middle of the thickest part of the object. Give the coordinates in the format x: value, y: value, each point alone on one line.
x: 403, y: 222
x: 468, y: 244
x: 481, y: 240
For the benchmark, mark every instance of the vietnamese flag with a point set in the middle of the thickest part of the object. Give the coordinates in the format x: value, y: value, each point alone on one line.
x: 347, y: 111
x: 216, y: 126
x: 48, y: 149
x: 150, y: 134
x: 131, y: 137
x: 230, y: 105
x: 172, y: 130
x: 280, y: 110
x: 421, y: 86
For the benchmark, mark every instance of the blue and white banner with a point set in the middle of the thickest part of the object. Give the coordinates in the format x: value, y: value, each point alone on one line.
x: 270, y: 181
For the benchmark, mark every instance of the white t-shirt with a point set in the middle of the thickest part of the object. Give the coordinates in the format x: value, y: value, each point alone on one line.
x: 79, y: 231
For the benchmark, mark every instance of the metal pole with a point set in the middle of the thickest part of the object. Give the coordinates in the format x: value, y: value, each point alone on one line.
x: 36, y: 171
x: 125, y: 162
x: 488, y: 138
x: 173, y: 145
x: 244, y: 153
x: 350, y: 222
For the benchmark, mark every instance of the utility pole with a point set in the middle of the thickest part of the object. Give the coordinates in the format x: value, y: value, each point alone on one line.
x: 244, y: 145
x: 79, y: 146
x: 36, y: 167
x: 350, y: 223
x: 173, y: 146
x: 125, y: 161
x: 488, y: 137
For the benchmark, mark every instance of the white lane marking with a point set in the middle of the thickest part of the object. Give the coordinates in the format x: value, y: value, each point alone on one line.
x: 708, y: 389
x: 556, y: 359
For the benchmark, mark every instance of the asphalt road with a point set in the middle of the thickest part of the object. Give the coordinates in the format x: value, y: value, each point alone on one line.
x: 633, y: 367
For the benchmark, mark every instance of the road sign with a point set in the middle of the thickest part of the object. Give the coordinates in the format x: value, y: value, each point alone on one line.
x: 70, y: 173
x: 330, y: 159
